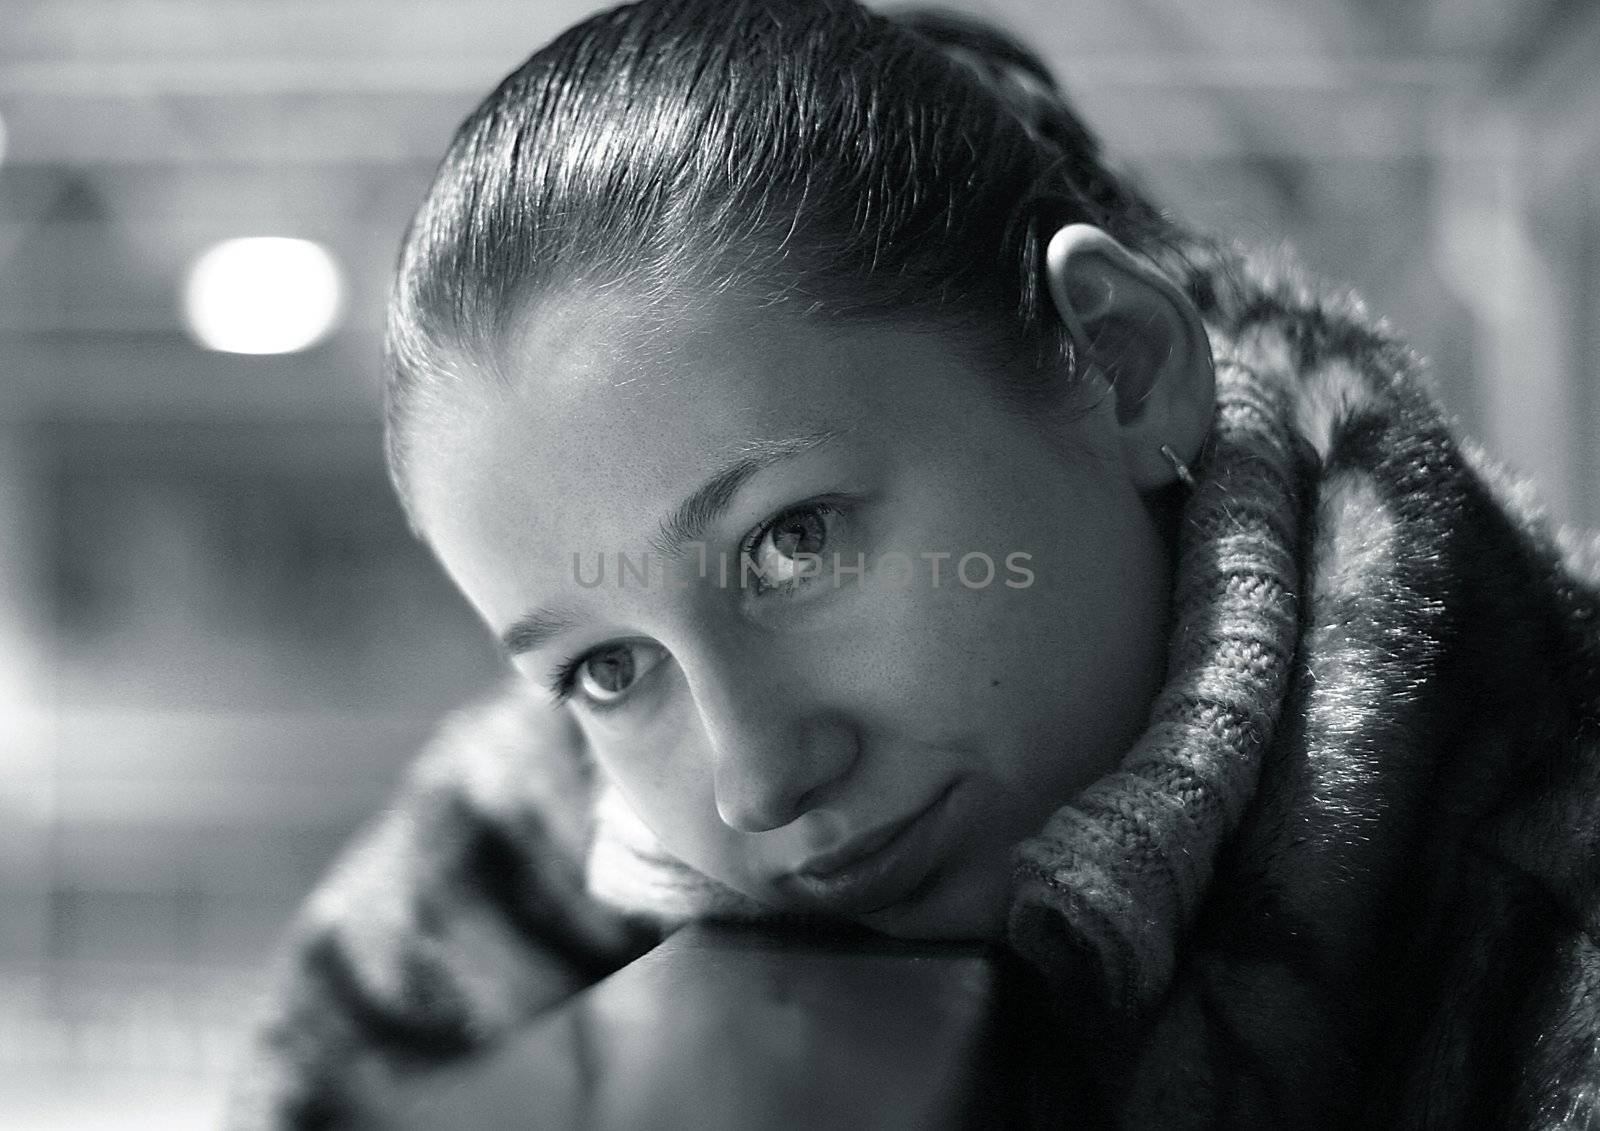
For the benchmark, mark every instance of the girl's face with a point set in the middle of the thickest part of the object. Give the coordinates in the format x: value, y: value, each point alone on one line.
x: 841, y: 628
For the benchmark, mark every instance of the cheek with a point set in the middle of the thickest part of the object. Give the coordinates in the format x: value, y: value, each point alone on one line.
x: 1053, y: 681
x: 649, y: 765
x: 663, y: 773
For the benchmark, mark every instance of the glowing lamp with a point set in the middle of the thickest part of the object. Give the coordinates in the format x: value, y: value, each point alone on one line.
x: 264, y: 294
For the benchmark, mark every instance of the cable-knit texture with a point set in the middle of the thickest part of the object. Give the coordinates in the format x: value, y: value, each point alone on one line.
x: 1116, y: 876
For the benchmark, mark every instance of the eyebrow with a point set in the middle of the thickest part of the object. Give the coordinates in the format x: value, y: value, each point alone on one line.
x: 685, y: 525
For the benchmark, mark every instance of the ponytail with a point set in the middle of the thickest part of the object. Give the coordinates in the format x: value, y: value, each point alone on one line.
x: 1021, y: 81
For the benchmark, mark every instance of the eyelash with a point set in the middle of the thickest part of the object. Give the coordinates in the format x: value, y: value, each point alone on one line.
x: 565, y: 675
x: 748, y: 546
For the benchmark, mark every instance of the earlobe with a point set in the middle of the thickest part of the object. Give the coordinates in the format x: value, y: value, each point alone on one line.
x: 1134, y: 328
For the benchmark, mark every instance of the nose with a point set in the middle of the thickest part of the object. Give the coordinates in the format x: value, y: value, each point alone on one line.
x: 776, y: 749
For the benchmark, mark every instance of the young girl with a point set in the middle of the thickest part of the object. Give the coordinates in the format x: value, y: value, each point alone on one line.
x: 893, y: 517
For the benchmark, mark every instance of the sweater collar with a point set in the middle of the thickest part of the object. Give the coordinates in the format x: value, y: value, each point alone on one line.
x: 1104, y: 893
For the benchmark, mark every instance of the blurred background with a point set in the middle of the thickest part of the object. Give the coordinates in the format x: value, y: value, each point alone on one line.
x: 218, y: 645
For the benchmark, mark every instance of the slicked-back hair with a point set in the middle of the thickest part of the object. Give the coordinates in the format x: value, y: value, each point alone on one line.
x: 811, y: 156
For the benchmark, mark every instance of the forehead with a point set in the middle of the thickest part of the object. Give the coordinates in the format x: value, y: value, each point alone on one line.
x: 607, y: 418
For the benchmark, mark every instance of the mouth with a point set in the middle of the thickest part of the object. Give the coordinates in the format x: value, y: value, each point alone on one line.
x: 875, y: 869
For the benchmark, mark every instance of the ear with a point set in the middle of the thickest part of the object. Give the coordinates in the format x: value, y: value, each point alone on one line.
x: 1134, y: 329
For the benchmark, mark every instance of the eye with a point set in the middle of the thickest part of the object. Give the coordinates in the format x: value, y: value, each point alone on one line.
x: 783, y: 553
x: 775, y: 552
x: 604, y: 677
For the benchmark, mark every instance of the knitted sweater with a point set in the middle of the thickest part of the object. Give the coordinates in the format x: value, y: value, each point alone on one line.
x: 1348, y: 876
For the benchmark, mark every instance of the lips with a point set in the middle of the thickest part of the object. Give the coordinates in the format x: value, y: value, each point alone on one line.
x: 875, y: 869
x: 832, y: 862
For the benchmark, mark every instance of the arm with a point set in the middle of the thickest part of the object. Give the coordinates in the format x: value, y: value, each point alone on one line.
x: 723, y: 1028
x: 456, y: 916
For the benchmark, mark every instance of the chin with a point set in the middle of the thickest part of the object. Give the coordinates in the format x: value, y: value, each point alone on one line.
x: 970, y: 904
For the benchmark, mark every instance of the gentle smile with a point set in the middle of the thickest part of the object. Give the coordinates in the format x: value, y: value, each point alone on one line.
x: 875, y: 869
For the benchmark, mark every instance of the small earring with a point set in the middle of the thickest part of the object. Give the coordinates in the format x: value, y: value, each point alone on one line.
x: 1185, y: 476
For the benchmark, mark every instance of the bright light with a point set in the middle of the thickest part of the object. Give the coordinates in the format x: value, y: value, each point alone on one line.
x: 266, y: 294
